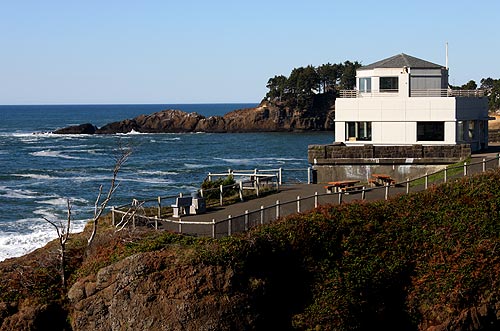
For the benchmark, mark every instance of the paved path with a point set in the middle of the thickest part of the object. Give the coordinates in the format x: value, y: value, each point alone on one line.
x: 290, y: 193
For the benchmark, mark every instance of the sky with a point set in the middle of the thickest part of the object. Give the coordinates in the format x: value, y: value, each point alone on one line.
x: 188, y: 51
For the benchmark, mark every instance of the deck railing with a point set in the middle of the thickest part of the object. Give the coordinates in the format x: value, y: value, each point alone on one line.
x: 416, y: 93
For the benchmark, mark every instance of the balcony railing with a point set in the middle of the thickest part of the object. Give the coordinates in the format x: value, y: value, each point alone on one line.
x: 415, y: 93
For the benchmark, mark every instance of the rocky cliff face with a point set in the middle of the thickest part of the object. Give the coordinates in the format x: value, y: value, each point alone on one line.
x: 266, y: 117
x: 143, y: 293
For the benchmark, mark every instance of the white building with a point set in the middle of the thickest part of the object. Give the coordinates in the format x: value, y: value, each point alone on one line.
x: 403, y: 100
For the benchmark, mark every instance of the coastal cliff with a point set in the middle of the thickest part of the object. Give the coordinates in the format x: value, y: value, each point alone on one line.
x: 267, y: 117
x: 425, y: 261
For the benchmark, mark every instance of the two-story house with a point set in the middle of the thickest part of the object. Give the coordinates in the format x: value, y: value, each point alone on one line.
x: 403, y: 100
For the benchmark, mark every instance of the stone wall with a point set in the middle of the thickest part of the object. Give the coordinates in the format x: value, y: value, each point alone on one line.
x: 334, y: 154
x: 337, y: 162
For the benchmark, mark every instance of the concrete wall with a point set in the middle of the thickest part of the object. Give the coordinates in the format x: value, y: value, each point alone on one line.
x: 335, y: 162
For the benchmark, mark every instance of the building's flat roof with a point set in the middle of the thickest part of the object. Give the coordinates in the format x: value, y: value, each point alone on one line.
x: 400, y: 61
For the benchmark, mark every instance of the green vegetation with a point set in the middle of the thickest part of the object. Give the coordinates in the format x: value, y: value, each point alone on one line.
x: 298, y: 89
x: 429, y: 258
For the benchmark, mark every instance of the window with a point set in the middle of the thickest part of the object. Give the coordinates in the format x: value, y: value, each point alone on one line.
x: 365, y: 85
x: 389, y: 84
x: 472, y: 132
x: 430, y: 131
x: 358, y: 131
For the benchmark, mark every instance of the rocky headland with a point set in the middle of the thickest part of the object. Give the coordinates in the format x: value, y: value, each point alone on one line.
x: 267, y: 117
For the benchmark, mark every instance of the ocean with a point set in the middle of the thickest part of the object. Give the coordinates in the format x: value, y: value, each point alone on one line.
x: 39, y: 171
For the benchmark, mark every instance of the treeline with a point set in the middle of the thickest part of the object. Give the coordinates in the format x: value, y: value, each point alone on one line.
x: 303, y: 83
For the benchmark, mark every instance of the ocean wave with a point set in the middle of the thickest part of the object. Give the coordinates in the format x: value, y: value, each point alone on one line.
x: 157, y: 172
x: 196, y: 166
x: 35, y: 176
x: 17, y: 193
x: 16, y: 243
x: 58, y: 154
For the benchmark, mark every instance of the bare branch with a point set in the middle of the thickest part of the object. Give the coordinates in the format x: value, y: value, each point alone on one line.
x: 120, y: 158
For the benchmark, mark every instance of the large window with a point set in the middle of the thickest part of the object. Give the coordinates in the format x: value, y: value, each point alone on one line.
x: 389, y: 84
x: 358, y: 131
x: 365, y: 85
x: 430, y: 131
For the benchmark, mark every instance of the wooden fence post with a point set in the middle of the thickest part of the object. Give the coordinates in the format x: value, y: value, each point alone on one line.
x: 308, y: 175
x: 280, y: 178
x: 340, y: 197
x: 159, y: 207
x: 113, y: 215
x: 445, y: 174
x: 221, y: 188
x: 156, y: 222
x: 261, y: 215
x: 180, y: 225
x: 246, y: 220
x: 241, y: 190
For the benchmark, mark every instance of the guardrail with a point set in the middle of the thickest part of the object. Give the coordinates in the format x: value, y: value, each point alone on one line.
x: 267, y: 214
x: 415, y: 93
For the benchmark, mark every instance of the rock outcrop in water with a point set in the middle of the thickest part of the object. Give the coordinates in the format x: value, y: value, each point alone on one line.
x: 266, y: 117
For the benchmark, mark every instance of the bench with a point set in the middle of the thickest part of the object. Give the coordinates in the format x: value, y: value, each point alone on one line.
x: 181, y: 206
x: 330, y: 188
x: 352, y: 188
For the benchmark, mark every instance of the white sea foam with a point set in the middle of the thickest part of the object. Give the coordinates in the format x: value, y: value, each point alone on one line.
x: 195, y: 166
x: 13, y: 244
x: 50, y: 153
x: 35, y: 176
x: 16, y: 193
x: 157, y: 172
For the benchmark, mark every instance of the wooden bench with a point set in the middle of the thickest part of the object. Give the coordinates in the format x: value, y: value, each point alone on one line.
x: 181, y: 206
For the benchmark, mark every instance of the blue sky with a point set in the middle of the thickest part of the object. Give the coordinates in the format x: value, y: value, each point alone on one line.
x: 108, y: 51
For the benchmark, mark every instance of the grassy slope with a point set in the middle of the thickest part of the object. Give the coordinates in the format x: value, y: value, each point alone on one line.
x: 426, y: 259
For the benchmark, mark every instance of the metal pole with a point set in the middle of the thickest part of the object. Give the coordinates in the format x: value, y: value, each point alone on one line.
x: 229, y: 225
x: 363, y: 193
x: 280, y: 172
x: 407, y: 185
x: 277, y: 209
x: 113, y: 215
x: 484, y: 165
x: 465, y: 169
x: 445, y: 174
x: 156, y: 222
x: 309, y: 175
x: 315, y: 199
x: 426, y: 180
x: 340, y: 197
x: 298, y: 204
x: 386, y: 191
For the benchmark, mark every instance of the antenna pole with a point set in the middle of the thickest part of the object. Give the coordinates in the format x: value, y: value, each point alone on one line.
x: 446, y: 55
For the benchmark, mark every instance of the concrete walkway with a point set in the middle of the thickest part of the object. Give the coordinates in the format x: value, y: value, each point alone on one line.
x: 289, y: 193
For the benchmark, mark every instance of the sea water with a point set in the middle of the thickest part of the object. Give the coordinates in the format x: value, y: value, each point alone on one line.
x: 40, y: 171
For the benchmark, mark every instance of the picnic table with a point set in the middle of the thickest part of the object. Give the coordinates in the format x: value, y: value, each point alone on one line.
x: 382, y: 179
x: 340, y: 185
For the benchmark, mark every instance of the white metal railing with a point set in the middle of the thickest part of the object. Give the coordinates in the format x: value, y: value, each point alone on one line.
x: 441, y: 93
x: 268, y: 214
